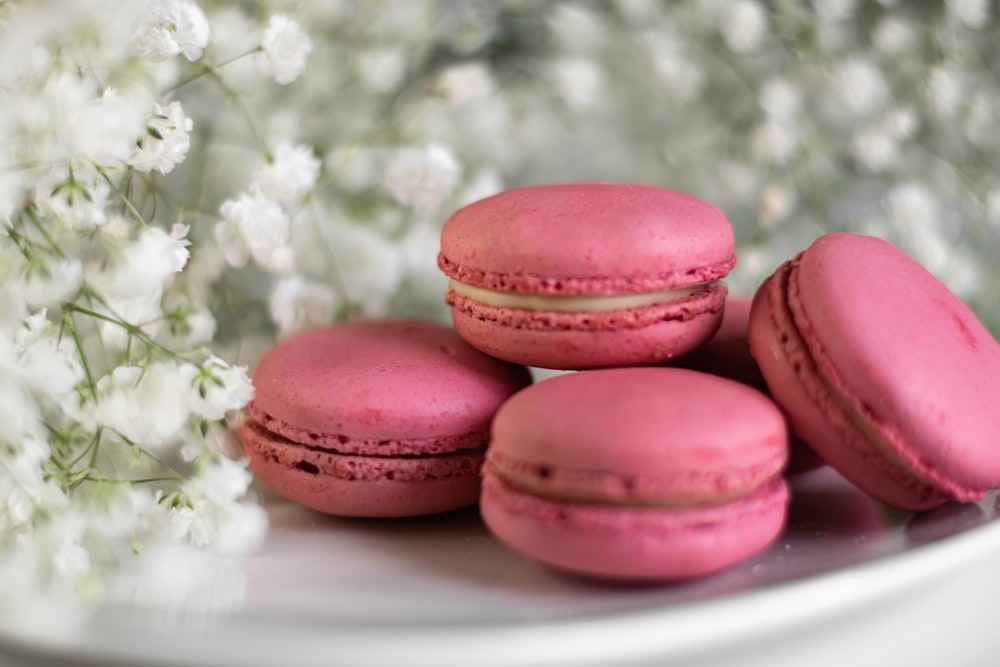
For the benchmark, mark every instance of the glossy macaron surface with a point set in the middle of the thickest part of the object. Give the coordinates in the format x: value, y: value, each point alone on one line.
x: 853, y: 335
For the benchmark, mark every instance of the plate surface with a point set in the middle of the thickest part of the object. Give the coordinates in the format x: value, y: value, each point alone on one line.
x: 850, y: 580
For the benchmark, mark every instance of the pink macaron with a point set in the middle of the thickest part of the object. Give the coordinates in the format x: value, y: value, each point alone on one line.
x: 375, y: 418
x: 587, y: 275
x: 642, y: 474
x: 882, y: 370
x: 728, y: 354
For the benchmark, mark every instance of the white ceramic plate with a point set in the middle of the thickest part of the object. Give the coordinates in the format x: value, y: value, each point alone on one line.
x: 850, y: 582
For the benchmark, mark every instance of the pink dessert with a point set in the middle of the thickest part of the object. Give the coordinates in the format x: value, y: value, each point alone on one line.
x: 375, y: 418
x: 637, y: 473
x: 587, y: 275
x: 728, y: 354
x: 882, y: 370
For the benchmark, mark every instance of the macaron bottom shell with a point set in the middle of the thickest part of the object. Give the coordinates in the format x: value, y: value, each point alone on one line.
x: 360, y: 486
x: 631, y: 544
x: 577, y: 341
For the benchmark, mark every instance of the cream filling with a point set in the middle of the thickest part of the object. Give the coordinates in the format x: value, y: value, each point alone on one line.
x: 573, y: 304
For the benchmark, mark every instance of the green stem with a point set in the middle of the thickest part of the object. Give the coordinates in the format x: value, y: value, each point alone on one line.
x: 148, y: 480
x: 209, y: 69
x: 92, y: 446
x: 234, y: 97
x: 177, y: 477
x: 131, y: 329
x: 126, y: 202
x: 71, y: 325
x: 22, y: 244
x: 144, y: 480
x: 53, y: 245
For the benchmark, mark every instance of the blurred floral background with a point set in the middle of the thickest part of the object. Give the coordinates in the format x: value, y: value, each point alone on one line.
x: 182, y: 183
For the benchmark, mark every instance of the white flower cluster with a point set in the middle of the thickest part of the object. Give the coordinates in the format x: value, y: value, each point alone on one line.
x: 185, y: 181
x: 113, y: 409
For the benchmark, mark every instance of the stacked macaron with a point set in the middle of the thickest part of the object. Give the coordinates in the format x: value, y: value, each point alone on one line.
x: 635, y: 471
x: 587, y: 275
x: 664, y: 456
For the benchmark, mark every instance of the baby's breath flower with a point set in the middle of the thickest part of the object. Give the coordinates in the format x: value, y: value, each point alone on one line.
x: 895, y: 35
x: 171, y: 27
x: 577, y: 81
x: 467, y: 27
x: 189, y: 324
x: 77, y: 198
x: 143, y: 405
x: 104, y: 129
x: 422, y: 177
x: 166, y: 141
x: 780, y: 99
x: 860, y: 85
x: 744, y: 25
x: 911, y: 206
x: 576, y: 28
x: 49, y: 285
x: 775, y: 203
x: 289, y: 174
x: 146, y: 266
x: 945, y: 90
x: 297, y: 305
x: 48, y: 363
x: 285, y: 49
x: 466, y: 83
x: 902, y: 122
x: 217, y: 388
x: 970, y: 13
x: 682, y: 76
x: 773, y: 142
x: 253, y: 225
x: 381, y: 69
x: 875, y: 149
x: 21, y: 423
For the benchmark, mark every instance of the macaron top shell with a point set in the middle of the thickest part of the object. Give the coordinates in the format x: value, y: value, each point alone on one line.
x: 679, y: 435
x: 587, y: 238
x: 910, y: 358
x: 383, y: 379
